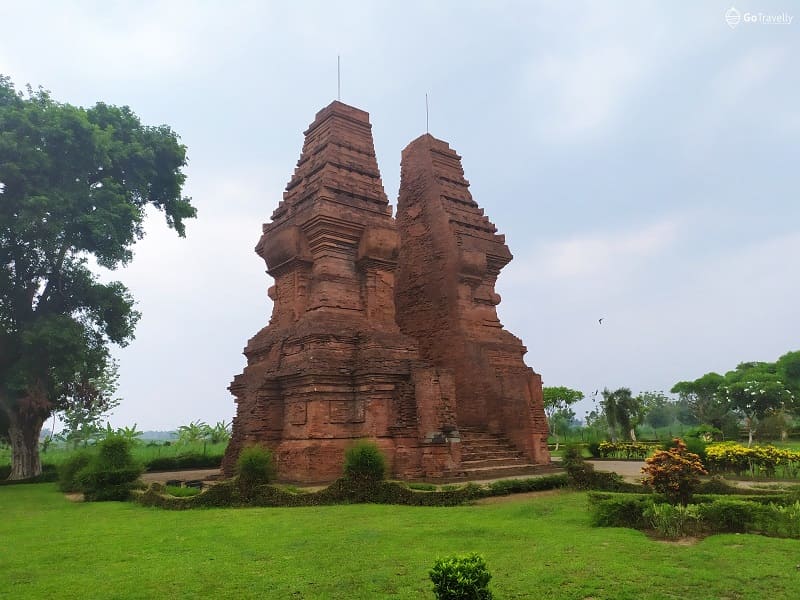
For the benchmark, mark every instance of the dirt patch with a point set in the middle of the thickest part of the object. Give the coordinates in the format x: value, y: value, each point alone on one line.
x: 74, y: 497
x: 684, y: 541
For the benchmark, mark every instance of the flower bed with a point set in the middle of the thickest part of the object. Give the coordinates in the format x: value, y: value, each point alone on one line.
x: 757, y: 461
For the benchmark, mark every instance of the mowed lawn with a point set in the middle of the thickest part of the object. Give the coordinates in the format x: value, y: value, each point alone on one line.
x: 540, y: 547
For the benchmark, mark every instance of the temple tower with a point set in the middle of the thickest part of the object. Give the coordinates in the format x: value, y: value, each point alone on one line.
x: 332, y: 365
x: 449, y: 260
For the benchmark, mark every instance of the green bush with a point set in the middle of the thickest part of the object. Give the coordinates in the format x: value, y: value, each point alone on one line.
x: 461, y: 578
x: 504, y: 487
x: 583, y: 476
x: 780, y: 521
x: 364, y: 461
x: 618, y: 510
x: 341, y: 491
x: 254, y: 467
x: 186, y: 461
x: 673, y: 521
x: 732, y: 516
x: 111, y: 473
x: 69, y: 469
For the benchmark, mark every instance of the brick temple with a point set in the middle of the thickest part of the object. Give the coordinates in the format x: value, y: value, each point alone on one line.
x: 385, y: 329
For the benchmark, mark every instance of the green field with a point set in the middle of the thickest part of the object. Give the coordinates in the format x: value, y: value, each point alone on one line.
x: 141, y: 452
x: 541, y: 547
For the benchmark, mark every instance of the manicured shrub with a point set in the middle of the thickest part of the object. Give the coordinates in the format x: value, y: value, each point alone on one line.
x: 364, y: 461
x: 184, y: 461
x: 254, y: 467
x: 583, y: 476
x: 504, y: 487
x: 112, y: 473
x: 780, y: 521
x: 69, y: 469
x: 461, y: 578
x: 673, y: 521
x: 674, y: 473
x: 731, y: 516
x: 618, y: 510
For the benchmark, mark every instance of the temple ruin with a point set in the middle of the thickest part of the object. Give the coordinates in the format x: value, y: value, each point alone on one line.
x: 384, y: 329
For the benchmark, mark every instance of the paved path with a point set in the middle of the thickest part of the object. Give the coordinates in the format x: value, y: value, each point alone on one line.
x: 162, y: 476
x: 629, y: 469
x: 626, y: 468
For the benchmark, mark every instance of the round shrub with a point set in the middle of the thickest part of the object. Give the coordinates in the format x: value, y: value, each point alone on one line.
x: 364, y: 461
x: 69, y: 469
x: 111, y: 473
x: 461, y: 578
x: 255, y: 466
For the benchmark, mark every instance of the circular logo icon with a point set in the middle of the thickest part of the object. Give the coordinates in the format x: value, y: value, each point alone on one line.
x: 733, y: 17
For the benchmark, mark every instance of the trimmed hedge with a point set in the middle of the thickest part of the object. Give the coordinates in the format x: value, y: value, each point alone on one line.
x: 504, y: 487
x: 343, y: 491
x: 607, y: 509
x: 583, y: 476
x: 776, y: 514
x: 186, y: 461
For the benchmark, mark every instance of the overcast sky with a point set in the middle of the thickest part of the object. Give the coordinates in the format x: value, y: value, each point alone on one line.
x: 641, y: 158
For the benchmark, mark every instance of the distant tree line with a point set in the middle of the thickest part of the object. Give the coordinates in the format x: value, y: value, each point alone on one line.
x: 761, y: 398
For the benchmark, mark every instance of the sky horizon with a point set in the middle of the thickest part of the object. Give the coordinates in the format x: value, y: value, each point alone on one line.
x: 641, y: 160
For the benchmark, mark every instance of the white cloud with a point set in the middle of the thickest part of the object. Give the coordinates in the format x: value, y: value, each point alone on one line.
x: 585, y: 91
x: 599, y: 256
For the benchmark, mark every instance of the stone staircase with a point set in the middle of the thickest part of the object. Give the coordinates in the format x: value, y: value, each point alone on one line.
x: 486, y: 455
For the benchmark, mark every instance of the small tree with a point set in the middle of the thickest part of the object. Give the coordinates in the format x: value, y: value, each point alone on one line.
x: 674, y: 473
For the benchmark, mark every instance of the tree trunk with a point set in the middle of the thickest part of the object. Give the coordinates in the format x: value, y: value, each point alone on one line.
x: 633, y: 434
x: 24, y: 431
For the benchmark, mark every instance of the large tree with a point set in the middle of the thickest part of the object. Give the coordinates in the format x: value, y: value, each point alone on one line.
x: 756, y: 391
x: 704, y: 398
x: 623, y: 412
x: 74, y: 185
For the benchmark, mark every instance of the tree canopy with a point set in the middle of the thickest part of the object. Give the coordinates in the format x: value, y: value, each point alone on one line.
x: 557, y: 406
x: 752, y: 392
x: 74, y: 185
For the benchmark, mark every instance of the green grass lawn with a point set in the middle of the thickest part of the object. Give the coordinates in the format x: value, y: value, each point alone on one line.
x: 541, y: 547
